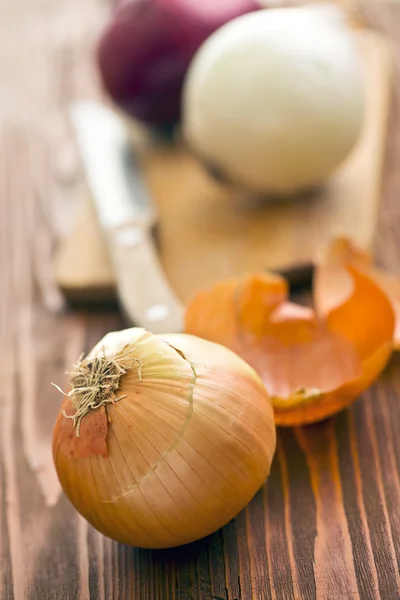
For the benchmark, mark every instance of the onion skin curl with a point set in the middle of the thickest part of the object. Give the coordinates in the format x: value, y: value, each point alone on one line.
x: 185, y: 447
x: 313, y: 362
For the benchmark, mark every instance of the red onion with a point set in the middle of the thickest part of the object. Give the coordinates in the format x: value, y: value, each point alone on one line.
x: 146, y: 48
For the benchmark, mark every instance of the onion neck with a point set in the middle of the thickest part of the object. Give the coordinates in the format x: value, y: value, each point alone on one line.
x: 95, y: 381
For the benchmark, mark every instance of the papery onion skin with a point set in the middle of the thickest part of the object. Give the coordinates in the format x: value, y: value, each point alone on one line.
x: 343, y: 250
x: 324, y: 405
x: 313, y: 363
x: 186, y: 449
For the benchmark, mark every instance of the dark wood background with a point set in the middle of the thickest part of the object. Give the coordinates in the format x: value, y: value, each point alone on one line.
x: 327, y: 524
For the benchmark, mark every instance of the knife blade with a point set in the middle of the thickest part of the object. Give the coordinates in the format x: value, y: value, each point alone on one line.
x: 126, y: 216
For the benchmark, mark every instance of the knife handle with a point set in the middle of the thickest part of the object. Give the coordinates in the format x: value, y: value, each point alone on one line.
x: 143, y: 289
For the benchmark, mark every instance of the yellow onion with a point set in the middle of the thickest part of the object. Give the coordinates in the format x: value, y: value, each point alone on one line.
x: 163, y: 438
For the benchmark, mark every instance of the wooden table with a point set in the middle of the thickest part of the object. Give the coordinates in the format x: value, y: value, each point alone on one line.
x: 327, y: 524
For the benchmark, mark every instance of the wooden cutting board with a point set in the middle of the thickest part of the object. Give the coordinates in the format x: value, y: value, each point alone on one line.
x: 208, y: 231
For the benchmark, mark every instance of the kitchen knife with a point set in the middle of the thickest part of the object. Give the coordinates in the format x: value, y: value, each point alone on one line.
x: 126, y: 217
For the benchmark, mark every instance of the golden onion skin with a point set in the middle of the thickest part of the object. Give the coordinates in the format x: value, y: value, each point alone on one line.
x: 186, y: 449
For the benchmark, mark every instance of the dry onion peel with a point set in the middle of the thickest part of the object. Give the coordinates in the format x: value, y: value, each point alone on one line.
x: 313, y: 363
x: 341, y: 251
x: 186, y: 446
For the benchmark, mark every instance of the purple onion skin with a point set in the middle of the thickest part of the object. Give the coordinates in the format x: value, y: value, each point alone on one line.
x: 146, y: 48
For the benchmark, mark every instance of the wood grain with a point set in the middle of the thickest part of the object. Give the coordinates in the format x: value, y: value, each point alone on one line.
x: 325, y: 526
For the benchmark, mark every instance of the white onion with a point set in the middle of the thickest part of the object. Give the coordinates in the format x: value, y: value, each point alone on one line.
x: 274, y: 99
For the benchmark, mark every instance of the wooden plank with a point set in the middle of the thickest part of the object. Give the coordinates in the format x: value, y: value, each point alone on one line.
x: 329, y: 514
x: 221, y: 233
